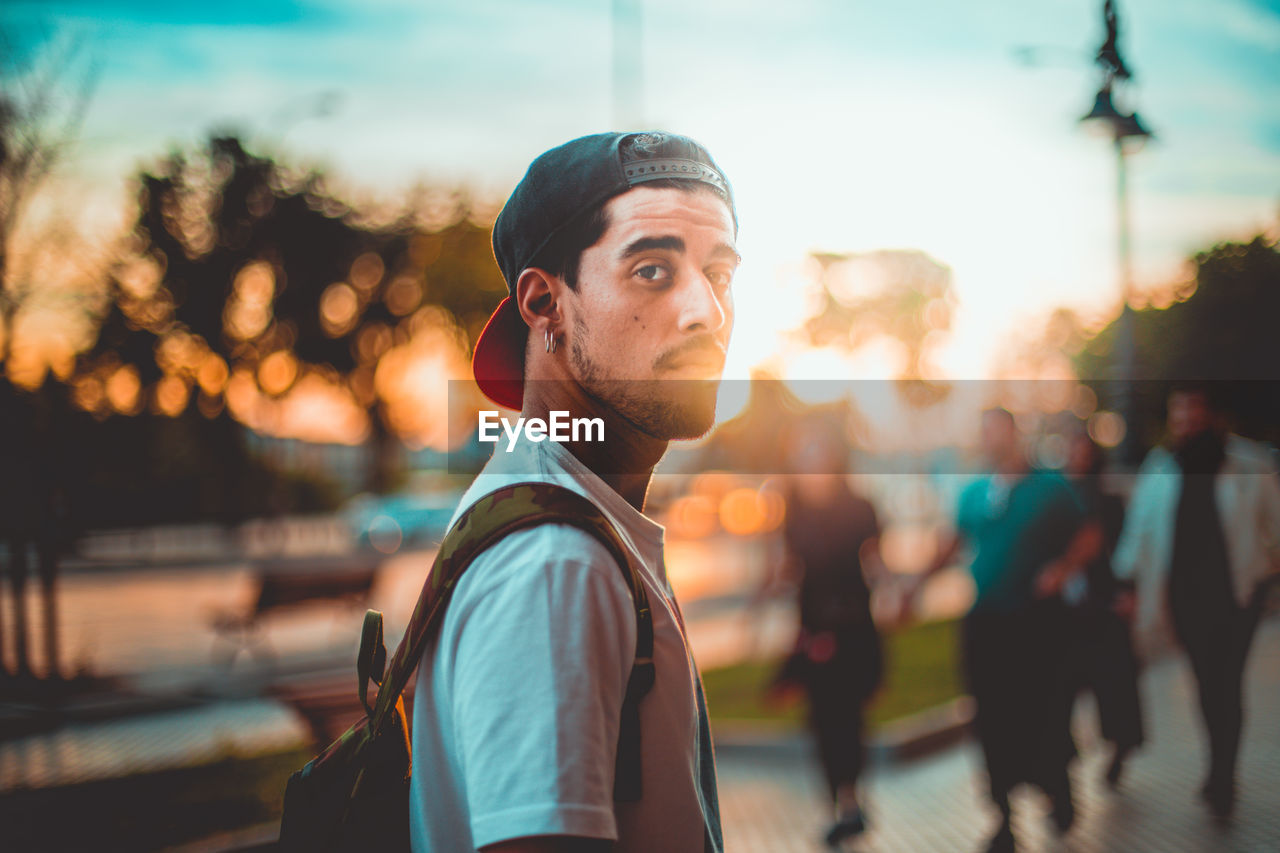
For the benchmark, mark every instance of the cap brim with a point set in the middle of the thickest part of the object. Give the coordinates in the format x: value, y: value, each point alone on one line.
x: 498, y: 361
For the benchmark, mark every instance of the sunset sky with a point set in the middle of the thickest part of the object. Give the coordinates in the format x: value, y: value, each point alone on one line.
x: 844, y: 126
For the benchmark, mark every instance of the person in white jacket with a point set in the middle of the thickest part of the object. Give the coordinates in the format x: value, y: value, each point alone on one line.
x: 1201, y: 536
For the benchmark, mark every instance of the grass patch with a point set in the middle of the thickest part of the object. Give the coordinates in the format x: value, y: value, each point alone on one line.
x: 922, y: 671
x: 150, y: 811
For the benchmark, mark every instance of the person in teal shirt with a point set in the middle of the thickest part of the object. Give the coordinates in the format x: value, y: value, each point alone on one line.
x: 1015, y: 527
x: 1027, y: 533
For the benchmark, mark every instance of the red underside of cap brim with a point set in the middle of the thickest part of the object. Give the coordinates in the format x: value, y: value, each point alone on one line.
x: 498, y: 362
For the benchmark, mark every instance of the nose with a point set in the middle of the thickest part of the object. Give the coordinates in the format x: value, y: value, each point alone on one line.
x: 702, y: 308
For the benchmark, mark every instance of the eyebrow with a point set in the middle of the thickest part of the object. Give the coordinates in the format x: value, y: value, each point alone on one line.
x: 649, y: 244
x: 674, y: 244
x: 726, y: 249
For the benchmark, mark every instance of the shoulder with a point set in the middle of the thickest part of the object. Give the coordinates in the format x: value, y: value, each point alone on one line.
x: 1251, y: 456
x: 975, y: 488
x: 974, y: 492
x: 539, y: 557
x: 1055, y: 482
x: 550, y: 592
x: 1159, y: 461
x: 1055, y: 492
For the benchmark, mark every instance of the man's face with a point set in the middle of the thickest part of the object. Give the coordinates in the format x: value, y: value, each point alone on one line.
x: 999, y: 437
x: 654, y: 305
x: 1189, y: 415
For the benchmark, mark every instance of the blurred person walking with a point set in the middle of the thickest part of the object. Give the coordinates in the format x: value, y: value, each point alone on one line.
x: 830, y: 536
x: 1101, y: 657
x: 1201, y: 537
x: 1027, y: 532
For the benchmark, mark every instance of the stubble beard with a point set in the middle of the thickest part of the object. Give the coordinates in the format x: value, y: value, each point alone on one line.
x: 665, y: 409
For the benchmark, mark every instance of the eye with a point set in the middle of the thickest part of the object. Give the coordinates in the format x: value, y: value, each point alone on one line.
x: 653, y: 272
x: 720, y: 278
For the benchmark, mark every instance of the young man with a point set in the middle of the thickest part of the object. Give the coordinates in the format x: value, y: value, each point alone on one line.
x: 1201, y: 536
x: 618, y: 251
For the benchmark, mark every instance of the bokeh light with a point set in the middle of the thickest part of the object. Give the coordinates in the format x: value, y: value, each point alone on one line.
x: 1106, y: 428
x: 338, y: 308
x: 124, y: 390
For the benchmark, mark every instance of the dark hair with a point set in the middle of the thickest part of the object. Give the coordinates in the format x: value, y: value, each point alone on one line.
x: 1213, y: 394
x: 563, y: 252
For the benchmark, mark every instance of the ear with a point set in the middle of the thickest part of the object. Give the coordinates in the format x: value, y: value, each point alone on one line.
x: 538, y: 294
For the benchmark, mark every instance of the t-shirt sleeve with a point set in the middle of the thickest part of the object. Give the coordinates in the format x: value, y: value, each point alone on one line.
x: 544, y: 642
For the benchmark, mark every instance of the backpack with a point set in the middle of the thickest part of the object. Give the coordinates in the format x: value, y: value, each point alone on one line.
x: 355, y: 794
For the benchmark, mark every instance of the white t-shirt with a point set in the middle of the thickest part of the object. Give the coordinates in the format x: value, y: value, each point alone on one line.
x: 519, y: 697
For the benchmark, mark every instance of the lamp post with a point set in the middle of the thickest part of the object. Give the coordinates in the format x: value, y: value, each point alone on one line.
x: 1127, y: 134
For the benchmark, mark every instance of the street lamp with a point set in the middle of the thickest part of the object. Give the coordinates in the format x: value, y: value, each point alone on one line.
x: 1128, y: 134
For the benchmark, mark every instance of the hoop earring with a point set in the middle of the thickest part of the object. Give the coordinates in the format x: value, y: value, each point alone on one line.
x: 551, y: 341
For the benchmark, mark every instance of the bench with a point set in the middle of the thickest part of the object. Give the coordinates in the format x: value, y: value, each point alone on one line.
x: 286, y: 583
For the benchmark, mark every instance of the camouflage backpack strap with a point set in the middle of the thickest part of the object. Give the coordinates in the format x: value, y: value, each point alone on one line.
x: 488, y: 520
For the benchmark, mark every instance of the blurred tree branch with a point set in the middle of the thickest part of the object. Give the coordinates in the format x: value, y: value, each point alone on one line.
x: 41, y: 112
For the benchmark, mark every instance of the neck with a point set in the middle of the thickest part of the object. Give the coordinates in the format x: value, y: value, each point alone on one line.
x: 624, y: 460
x: 818, y: 488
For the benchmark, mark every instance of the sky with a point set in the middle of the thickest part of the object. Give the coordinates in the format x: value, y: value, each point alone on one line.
x: 843, y: 126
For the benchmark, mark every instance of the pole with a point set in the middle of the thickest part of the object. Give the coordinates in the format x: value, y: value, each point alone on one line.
x: 1126, y: 343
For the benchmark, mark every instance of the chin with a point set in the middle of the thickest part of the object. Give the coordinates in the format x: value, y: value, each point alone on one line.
x: 683, y: 424
x: 693, y: 409
x: 669, y: 410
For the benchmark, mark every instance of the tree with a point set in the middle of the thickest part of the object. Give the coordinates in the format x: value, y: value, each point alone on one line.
x: 246, y: 281
x: 904, y: 295
x: 1220, y: 327
x: 40, y: 115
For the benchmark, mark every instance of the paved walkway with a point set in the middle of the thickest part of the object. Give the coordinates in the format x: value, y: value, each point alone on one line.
x: 775, y: 805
